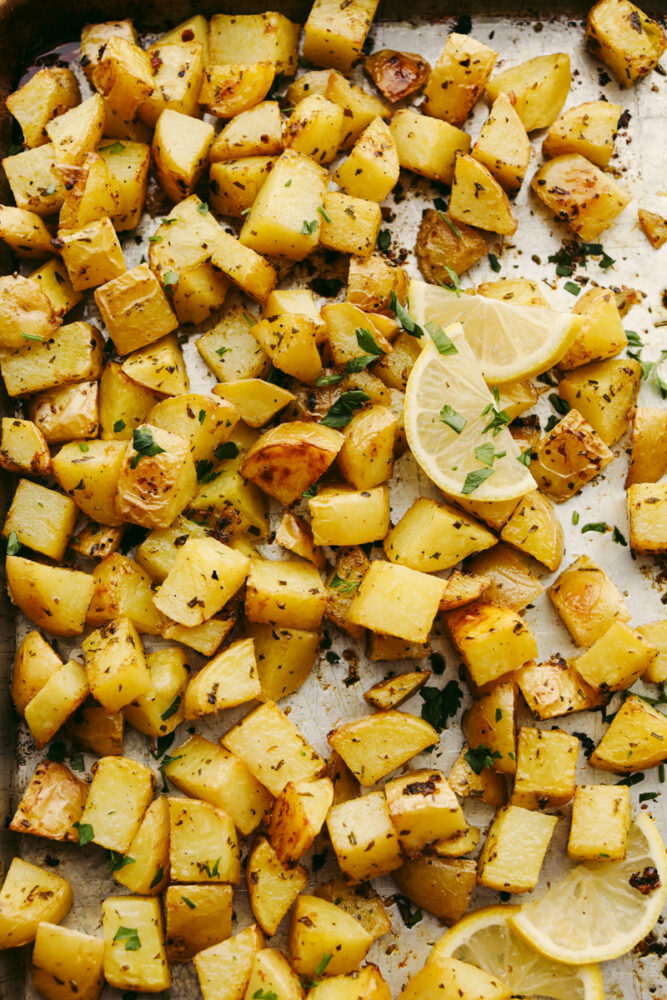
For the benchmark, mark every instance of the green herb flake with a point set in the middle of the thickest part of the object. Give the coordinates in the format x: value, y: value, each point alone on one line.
x: 76, y: 762
x: 322, y: 964
x: 480, y: 757
x: 324, y: 380
x: 172, y: 710
x: 525, y: 457
x: 343, y: 586
x: 144, y: 443
x: 367, y: 342
x: 572, y: 287
x: 119, y: 426
x: 342, y: 411
x: 453, y: 419
x: 600, y: 526
x: 288, y: 183
x: 440, y: 705
x: 83, y: 446
x: 157, y: 878
x: 170, y: 279
x: 648, y: 796
x: 33, y: 336
x: 410, y: 914
x: 486, y: 453
x: 113, y: 147
x: 264, y: 995
x: 164, y: 764
x: 323, y: 212
x: 188, y: 902
x: 560, y: 405
x: 494, y: 262
x: 201, y: 416
x: 213, y: 871
x: 85, y: 832
x: 410, y: 326
x: 634, y: 339
x: 575, y: 517
x: 117, y: 861
x: 249, y: 320
x: 13, y: 544
x: 441, y: 209
x: 130, y: 936
x: 384, y: 240
x: 202, y: 208
x: 227, y: 450
x: 475, y: 479
x: 155, y: 239
x: 308, y: 228
x: 456, y: 281
x: 618, y: 537
x: 221, y: 351
x: 443, y: 344
x: 499, y: 714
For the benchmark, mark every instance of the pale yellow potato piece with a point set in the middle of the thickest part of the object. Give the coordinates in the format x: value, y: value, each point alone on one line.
x: 374, y: 745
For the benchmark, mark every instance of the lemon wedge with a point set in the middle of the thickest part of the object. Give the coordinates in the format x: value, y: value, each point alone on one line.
x: 455, y: 429
x: 485, y: 938
x: 511, y: 342
x: 600, y: 910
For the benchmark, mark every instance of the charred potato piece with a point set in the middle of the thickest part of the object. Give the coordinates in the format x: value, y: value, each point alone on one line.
x: 291, y: 457
x: 626, y: 39
x: 397, y: 74
x: 579, y: 194
x: 443, y: 244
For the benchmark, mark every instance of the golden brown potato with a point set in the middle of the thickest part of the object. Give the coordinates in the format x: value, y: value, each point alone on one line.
x: 371, y: 280
x: 655, y: 227
x: 442, y: 243
x: 478, y: 199
x: 602, y: 334
x: 397, y: 74
x: 538, y: 88
x: 568, y: 457
x: 554, y: 688
x: 229, y: 90
x: 648, y: 458
x: 25, y: 312
x: 579, y: 193
x: 589, y: 129
x: 291, y: 457
x: 491, y: 722
x: 534, y: 528
x: 510, y: 581
x: 442, y: 886
x: 51, y: 804
x: 458, y: 78
x: 605, y: 394
x: 503, y: 145
x: 625, y: 38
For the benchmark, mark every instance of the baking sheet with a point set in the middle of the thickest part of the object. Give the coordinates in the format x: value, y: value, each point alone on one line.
x: 324, y: 700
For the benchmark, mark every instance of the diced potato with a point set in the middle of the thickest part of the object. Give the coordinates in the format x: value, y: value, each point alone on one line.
x: 230, y: 350
x: 616, y: 659
x: 458, y: 78
x: 341, y: 586
x: 120, y: 793
x: 395, y: 690
x: 66, y: 413
x: 625, y: 39
x: 654, y: 227
x: 123, y: 403
x: 285, y: 657
x: 203, y: 577
x: 156, y: 483
x: 55, y: 599
x: 459, y: 846
x: 372, y: 168
x: 655, y: 634
x: 601, y: 818
x: 602, y: 335
x: 229, y: 499
x: 50, y: 92
x: 251, y: 272
x: 35, y: 183
x: 374, y: 745
x: 478, y: 199
x: 288, y: 594
x: 273, y: 749
x: 135, y: 310
x: 491, y: 723
x: 91, y: 192
x: 387, y: 647
x: 160, y: 710
x: 294, y: 534
x: 589, y: 129
x: 510, y: 581
x: 647, y: 514
x: 350, y: 225
x: 203, y: 846
x: 427, y: 146
x: 290, y: 457
x: 34, y: 663
x: 51, y: 804
x: 94, y: 38
x: 115, y: 664
x: 397, y: 601
x: 30, y: 896
x: 568, y: 457
x: 587, y: 601
x: 224, y: 969
x: 268, y: 36
x: 315, y: 81
x: 24, y: 232
x: 423, y: 809
x: 534, y: 528
x: 92, y: 477
x: 73, y: 353
x: 124, y: 77
x: 648, y: 458
x: 178, y: 73
x: 359, y: 107
x: 555, y: 688
x: 364, y: 838
x: 194, y: 29
x: 297, y: 817
x: 198, y: 917
x: 605, y: 394
x: 92, y: 254
x: 180, y: 151
x: 364, y: 982
x: 538, y: 88
x: 514, y: 850
x: 441, y: 245
x: 463, y: 588
x: 503, y: 146
x: 41, y: 519
x: 253, y: 133
x: 446, y: 977
x: 372, y: 280
x: 367, y: 457
x: 122, y: 588
x: 93, y: 728
x: 25, y: 312
x: 271, y: 886
x: 319, y: 927
x: 142, y: 967
x: 635, y: 740
x: 545, y: 768
x: 432, y: 536
x: 148, y: 872
x: 276, y: 223
x: 23, y: 449
x: 95, y: 541
x: 204, y: 638
x: 442, y: 886
x: 230, y: 679
x: 333, y: 36
x: 271, y: 972
x: 361, y: 902
x: 66, y: 964
x: 204, y: 422
x: 487, y: 785
x: 315, y: 127
x: 578, y: 193
x: 341, y: 515
x: 159, y: 367
x: 229, y: 90
x: 129, y: 162
x: 234, y: 184
x: 342, y: 320
x: 491, y: 640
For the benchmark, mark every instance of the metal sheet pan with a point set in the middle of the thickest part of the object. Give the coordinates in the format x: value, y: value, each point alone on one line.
x: 28, y: 27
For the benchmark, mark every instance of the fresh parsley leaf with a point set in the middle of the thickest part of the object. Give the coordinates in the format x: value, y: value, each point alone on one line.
x: 144, y: 443
x: 359, y: 363
x: 169, y: 222
x: 367, y: 342
x: 525, y: 457
x: 444, y: 345
x: 441, y: 209
x: 480, y: 757
x: 560, y: 405
x: 453, y: 419
x: 322, y: 964
x: 600, y: 526
x: 441, y: 704
x: 204, y: 469
x: 343, y: 586
x: 203, y: 208
x: 494, y: 262
x: 572, y: 287
x: 155, y: 239
x: 172, y: 710
x: 384, y: 240
x: 220, y: 351
x: 499, y: 714
x: 634, y: 339
x: 475, y: 479
x: 117, y: 861
x: 214, y: 871
x: 13, y: 544
x: 188, y: 902
x: 170, y: 279
x: 113, y: 147
x: 308, y: 228
x: 83, y: 447
x: 119, y: 426
x: 157, y: 878
x: 130, y: 936
x: 499, y: 418
x: 575, y: 517
x: 409, y: 914
x: 227, y: 450
x: 310, y: 492
x: 487, y: 454
x: 618, y: 536
x: 551, y: 423
x: 456, y: 281
x: 329, y: 379
x: 162, y: 745
x: 342, y: 411
x: 85, y: 832
x: 404, y: 318
x: 323, y: 212
x: 651, y: 374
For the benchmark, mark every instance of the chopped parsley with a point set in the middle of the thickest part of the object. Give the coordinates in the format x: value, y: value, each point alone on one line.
x: 441, y: 704
x: 144, y: 443
x: 342, y: 411
x: 453, y: 419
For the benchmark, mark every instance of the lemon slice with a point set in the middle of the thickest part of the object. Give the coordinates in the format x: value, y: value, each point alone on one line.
x: 511, y: 342
x: 485, y: 938
x: 594, y: 913
x: 449, y: 452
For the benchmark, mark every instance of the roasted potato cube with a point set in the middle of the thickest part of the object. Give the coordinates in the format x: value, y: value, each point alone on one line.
x: 202, y: 843
x: 287, y: 594
x: 459, y: 846
x: 34, y: 663
x: 350, y: 225
x: 66, y: 964
x: 157, y: 479
x: 66, y: 413
x: 142, y: 966
x: 605, y: 394
x: 157, y: 552
x: 289, y: 458
x: 93, y: 728
x: 29, y: 897
x: 234, y: 184
x: 333, y: 37
x: 230, y: 679
x: 395, y: 690
x: 23, y: 449
x: 268, y: 36
x: 203, y: 577
x: 478, y: 199
x: 491, y: 640
x: 423, y: 809
x: 514, y: 850
x: 534, y: 528
x: 180, y: 152
x: 35, y: 184
x: 458, y: 78
x: 342, y: 321
x: 204, y: 638
x: 241, y: 505
x: 91, y: 192
x: 616, y: 660
x: 626, y: 39
x: 319, y: 927
x: 51, y: 804
x: 254, y: 133
x: 463, y: 588
x: 50, y: 92
x: 297, y: 817
x: 148, y: 872
x: 441, y: 245
x: 555, y: 688
x: 125, y: 785
x: 602, y: 335
x: 341, y: 515
x: 397, y: 601
x: 654, y: 226
x: 24, y: 232
x: 315, y: 127
x: 135, y: 310
x: 251, y: 272
x: 291, y: 343
x: 341, y: 586
x: 92, y: 254
x: 198, y: 917
x: 129, y: 162
x: 648, y: 458
x: 294, y: 534
x: 366, y: 459
x: 205, y: 422
x: 568, y: 457
x: 579, y: 194
x: 587, y: 601
x: 485, y: 783
x: 491, y: 723
x: 94, y: 38
x: 432, y: 536
x: 635, y: 740
x: 195, y: 29
x: 177, y: 80
x: 231, y: 351
x: 397, y: 74
x: 647, y: 514
x: 371, y: 280
x: 285, y: 657
x: 546, y: 763
x: 442, y: 886
x: 601, y: 817
x: 276, y: 223
x: 655, y: 634
x: 372, y: 168
x: 41, y: 519
x: 361, y: 902
x: 159, y: 367
x: 537, y: 88
x: 78, y: 131
x: 160, y: 710
x: 231, y: 89
x: 589, y: 129
x: 92, y: 477
x: 374, y: 745
x: 115, y: 664
x: 271, y: 972
x: 503, y: 146
x: 124, y: 77
x: 359, y: 107
x: 364, y: 837
x: 271, y: 886
x: 25, y: 312
x: 510, y: 581
x: 446, y: 977
x: 387, y: 647
x: 229, y: 963
x: 55, y: 599
x: 315, y: 81
x: 123, y: 403
x: 427, y: 146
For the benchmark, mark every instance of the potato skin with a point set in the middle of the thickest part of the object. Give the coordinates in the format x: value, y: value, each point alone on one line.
x: 291, y: 457
x: 438, y: 247
x: 397, y: 74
